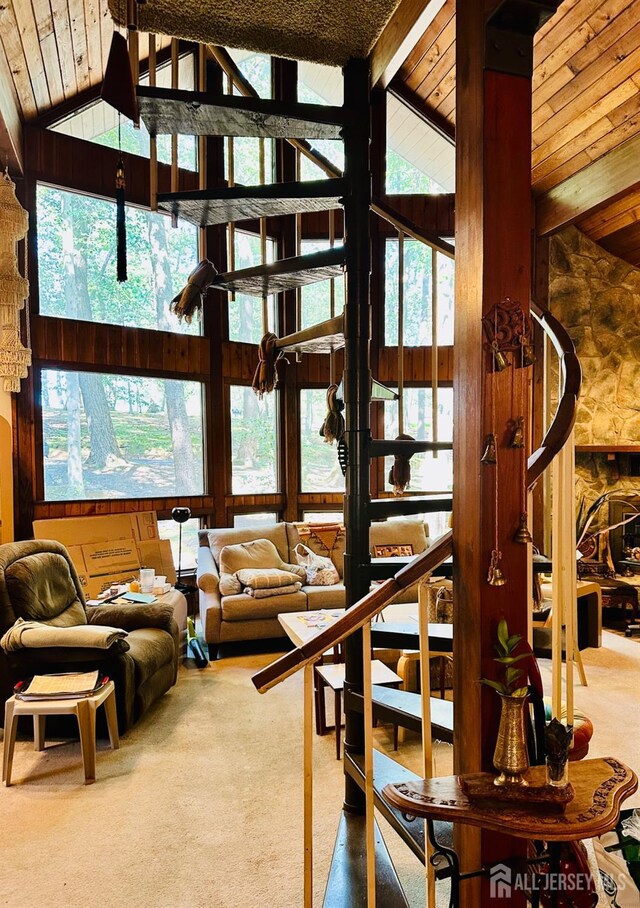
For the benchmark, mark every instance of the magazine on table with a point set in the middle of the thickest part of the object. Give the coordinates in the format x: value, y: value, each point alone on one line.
x: 66, y: 686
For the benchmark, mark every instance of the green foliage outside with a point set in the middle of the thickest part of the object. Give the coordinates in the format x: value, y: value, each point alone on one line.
x: 254, y: 442
x: 319, y: 461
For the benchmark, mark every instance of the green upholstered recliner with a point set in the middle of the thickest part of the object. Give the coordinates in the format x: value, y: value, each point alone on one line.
x: 38, y: 582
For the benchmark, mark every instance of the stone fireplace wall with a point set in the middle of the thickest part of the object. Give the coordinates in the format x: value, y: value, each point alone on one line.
x: 597, y: 297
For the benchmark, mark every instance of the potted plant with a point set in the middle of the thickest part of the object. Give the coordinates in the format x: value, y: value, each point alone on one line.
x: 510, y: 758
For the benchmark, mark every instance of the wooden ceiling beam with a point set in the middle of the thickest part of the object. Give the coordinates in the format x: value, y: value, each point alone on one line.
x: 604, y: 181
x: 11, y: 146
x: 402, y: 32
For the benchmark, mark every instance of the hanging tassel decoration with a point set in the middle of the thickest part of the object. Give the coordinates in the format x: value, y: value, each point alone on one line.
x: 266, y: 378
x: 121, y: 223
x: 332, y: 429
x: 400, y: 472
x: 191, y: 298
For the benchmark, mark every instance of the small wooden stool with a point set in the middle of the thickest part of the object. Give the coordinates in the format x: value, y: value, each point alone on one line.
x: 84, y: 708
x: 332, y: 675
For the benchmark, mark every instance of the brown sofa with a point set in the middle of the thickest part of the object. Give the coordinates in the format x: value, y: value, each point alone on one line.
x: 239, y: 617
x: 38, y: 582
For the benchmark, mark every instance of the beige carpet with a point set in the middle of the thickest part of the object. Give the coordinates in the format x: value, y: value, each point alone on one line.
x: 202, y: 805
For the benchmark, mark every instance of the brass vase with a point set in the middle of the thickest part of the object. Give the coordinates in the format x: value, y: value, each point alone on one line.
x: 511, y: 758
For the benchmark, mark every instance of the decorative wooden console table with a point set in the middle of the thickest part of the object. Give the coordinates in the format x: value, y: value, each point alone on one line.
x: 600, y: 786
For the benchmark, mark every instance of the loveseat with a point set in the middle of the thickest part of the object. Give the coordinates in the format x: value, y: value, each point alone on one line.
x: 236, y: 617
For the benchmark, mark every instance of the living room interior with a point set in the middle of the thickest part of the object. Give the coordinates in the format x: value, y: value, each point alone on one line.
x: 320, y: 461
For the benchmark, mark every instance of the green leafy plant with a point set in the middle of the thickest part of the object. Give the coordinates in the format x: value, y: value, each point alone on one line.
x: 505, y: 649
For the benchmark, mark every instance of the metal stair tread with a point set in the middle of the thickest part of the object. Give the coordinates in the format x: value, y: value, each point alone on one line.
x: 347, y: 881
x: 172, y: 111
x: 208, y: 207
x: 380, y: 508
x: 321, y: 338
x: 285, y: 274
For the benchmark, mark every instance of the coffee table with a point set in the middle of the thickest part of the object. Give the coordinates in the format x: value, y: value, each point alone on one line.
x: 83, y: 708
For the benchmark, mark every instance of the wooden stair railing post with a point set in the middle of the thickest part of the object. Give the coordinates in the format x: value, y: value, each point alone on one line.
x: 427, y: 743
x: 308, y: 784
x: 368, y: 765
x: 357, y: 384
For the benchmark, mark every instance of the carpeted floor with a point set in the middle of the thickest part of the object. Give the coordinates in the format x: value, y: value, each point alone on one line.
x: 202, y: 805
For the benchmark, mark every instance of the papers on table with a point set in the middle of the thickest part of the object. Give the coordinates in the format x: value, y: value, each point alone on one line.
x: 61, y: 686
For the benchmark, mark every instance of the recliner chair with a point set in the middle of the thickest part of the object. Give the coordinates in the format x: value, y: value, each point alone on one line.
x: 38, y: 582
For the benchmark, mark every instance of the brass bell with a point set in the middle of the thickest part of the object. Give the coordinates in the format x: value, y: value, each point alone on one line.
x: 495, y: 577
x: 489, y: 455
x: 528, y: 355
x: 517, y: 439
x: 523, y: 535
x: 500, y: 361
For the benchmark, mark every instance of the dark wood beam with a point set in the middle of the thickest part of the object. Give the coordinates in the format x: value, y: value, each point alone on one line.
x: 610, y: 177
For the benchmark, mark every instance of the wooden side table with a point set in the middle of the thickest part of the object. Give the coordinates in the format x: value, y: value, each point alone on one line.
x: 83, y: 708
x: 600, y: 786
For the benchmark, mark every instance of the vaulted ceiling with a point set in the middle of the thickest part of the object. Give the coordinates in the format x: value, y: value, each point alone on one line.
x: 586, y: 99
x: 586, y: 83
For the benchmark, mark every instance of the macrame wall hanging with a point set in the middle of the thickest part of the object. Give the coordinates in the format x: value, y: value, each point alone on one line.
x: 15, y: 358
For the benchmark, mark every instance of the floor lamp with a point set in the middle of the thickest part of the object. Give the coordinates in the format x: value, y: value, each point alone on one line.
x: 181, y: 515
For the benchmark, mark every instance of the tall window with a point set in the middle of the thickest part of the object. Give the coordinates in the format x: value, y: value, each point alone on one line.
x: 114, y: 436
x: 320, y: 470
x: 245, y: 312
x: 316, y: 298
x: 254, y: 442
x: 418, y: 279
x: 98, y: 122
x: 77, y: 262
x: 428, y: 473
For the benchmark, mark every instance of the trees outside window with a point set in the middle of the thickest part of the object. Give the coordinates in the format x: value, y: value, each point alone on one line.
x: 77, y: 262
x: 112, y: 436
x: 316, y: 298
x: 319, y: 467
x: 417, y: 295
x: 428, y: 473
x: 245, y: 312
x: 254, y: 442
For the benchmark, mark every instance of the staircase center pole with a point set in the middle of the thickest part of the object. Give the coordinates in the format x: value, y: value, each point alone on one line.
x: 357, y: 389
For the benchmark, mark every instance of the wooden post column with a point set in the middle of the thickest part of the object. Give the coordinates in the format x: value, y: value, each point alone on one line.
x: 494, y: 51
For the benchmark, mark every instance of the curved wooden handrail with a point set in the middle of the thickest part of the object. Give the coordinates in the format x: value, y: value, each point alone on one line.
x: 565, y: 415
x: 355, y: 617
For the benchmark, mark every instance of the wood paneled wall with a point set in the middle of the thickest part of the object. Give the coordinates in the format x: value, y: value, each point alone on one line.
x: 212, y: 359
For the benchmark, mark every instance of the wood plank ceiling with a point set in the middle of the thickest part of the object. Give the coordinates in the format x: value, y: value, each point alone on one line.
x: 586, y: 99
x: 53, y: 50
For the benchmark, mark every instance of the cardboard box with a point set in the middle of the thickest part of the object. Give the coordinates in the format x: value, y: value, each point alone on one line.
x: 158, y: 555
x: 110, y: 549
x: 71, y: 531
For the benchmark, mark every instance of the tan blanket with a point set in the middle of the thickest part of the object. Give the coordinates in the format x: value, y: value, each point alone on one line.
x: 34, y: 635
x: 274, y: 591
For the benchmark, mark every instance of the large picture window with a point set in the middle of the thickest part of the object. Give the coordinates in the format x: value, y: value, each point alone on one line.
x: 319, y: 467
x: 115, y: 436
x: 254, y: 442
x: 428, y: 473
x: 77, y: 262
x: 418, y: 295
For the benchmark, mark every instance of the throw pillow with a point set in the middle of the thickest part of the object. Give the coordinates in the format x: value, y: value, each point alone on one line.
x: 264, y: 579
x: 278, y: 591
x: 229, y: 585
